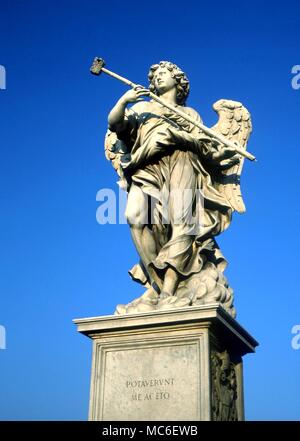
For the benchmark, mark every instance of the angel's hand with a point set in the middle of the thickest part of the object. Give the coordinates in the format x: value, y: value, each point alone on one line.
x: 134, y: 95
x: 225, y: 156
x: 227, y: 163
x: 221, y: 153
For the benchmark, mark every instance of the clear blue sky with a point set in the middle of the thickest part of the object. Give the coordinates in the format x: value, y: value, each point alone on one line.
x: 58, y: 263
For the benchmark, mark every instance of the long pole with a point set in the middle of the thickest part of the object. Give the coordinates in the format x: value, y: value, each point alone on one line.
x: 98, y: 67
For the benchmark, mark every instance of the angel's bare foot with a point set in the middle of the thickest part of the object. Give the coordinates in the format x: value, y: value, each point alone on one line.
x: 171, y: 281
x: 164, y: 295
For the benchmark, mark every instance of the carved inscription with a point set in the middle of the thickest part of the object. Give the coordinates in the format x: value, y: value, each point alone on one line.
x: 150, y: 389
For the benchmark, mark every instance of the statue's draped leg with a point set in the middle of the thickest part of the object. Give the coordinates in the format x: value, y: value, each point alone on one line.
x: 144, y: 244
x: 179, y: 252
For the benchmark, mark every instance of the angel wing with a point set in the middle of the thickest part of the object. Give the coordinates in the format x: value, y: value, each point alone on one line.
x: 114, y: 148
x: 119, y: 146
x: 235, y: 124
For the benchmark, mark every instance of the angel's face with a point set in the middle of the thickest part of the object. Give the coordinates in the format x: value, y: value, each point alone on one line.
x: 163, y: 80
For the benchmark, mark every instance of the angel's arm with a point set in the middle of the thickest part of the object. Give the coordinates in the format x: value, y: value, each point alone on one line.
x: 116, y: 118
x: 214, y: 152
x: 187, y: 137
x: 117, y: 121
x: 210, y: 148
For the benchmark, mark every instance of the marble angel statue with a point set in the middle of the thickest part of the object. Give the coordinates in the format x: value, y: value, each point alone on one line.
x: 183, y: 187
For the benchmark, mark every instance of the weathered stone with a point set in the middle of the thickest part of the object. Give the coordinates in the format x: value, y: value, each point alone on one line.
x: 183, y: 183
x: 183, y: 364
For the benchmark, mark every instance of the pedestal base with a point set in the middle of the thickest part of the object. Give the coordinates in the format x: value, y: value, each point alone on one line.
x: 173, y: 365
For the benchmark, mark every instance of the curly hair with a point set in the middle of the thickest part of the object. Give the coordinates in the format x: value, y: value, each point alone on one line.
x: 182, y: 83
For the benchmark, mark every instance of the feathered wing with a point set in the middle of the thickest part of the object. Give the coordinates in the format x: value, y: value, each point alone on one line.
x: 118, y: 146
x: 235, y: 124
x: 114, y: 148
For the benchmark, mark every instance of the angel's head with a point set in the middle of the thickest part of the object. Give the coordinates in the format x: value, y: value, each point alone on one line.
x: 166, y: 75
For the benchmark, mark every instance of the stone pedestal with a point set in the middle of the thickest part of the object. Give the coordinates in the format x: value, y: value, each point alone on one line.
x: 173, y: 365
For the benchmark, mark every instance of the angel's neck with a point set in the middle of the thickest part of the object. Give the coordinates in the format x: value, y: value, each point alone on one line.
x: 169, y: 96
